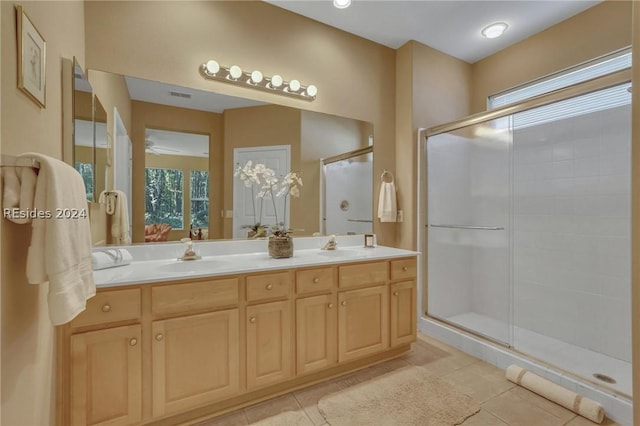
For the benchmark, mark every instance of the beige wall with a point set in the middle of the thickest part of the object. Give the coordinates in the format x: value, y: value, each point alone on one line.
x: 167, y: 41
x: 433, y: 88
x: 143, y: 115
x: 258, y: 126
x: 592, y: 33
x: 28, y: 382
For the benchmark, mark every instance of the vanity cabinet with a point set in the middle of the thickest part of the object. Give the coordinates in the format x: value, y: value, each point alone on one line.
x: 363, y: 322
x: 316, y: 333
x: 195, y: 360
x: 173, y: 352
x: 104, y: 361
x: 106, y: 377
x: 403, y: 302
x: 269, y: 344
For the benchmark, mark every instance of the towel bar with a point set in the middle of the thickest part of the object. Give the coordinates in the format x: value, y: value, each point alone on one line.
x: 13, y: 161
x: 386, y: 173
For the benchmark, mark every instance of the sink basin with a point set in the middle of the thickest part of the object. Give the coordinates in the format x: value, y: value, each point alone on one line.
x: 340, y: 253
x: 186, y: 266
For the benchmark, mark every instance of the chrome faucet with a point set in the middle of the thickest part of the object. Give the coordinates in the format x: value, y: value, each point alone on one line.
x: 189, y: 253
x: 331, y: 244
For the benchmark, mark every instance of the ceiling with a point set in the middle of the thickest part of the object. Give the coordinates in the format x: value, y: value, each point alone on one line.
x: 450, y: 26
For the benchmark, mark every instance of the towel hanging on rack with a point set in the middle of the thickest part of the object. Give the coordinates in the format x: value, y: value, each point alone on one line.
x: 60, y: 248
x: 387, y: 203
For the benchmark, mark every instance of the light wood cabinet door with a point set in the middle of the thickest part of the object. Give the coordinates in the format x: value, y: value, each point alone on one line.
x: 106, y: 377
x: 269, y: 347
x: 195, y: 360
x: 363, y: 322
x: 316, y: 333
x: 403, y: 313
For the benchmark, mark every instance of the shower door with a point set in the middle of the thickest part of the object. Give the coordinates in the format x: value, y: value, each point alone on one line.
x: 469, y: 205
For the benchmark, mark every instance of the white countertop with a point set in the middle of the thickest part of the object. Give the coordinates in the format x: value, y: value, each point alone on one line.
x: 142, y: 270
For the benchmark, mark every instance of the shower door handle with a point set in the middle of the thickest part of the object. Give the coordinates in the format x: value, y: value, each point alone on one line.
x: 482, y: 228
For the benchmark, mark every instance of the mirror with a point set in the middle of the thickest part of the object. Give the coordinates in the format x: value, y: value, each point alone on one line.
x: 84, y: 155
x: 165, y: 121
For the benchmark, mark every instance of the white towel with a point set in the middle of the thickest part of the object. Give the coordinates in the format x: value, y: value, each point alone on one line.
x: 60, y: 249
x: 19, y: 185
x: 387, y: 208
x: 110, y: 258
x: 116, y: 205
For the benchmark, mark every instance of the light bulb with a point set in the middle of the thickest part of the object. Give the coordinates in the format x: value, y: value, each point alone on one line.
x: 256, y: 77
x: 494, y: 30
x: 213, y: 67
x: 294, y: 85
x: 235, y: 72
x: 312, y: 90
x: 342, y: 4
x: 276, y: 81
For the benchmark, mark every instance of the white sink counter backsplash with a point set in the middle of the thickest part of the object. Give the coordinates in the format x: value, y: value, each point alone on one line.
x: 158, y: 262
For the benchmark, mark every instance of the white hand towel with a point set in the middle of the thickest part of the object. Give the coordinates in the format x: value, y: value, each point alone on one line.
x: 110, y: 258
x: 116, y: 205
x: 387, y: 207
x: 60, y: 249
x: 18, y: 189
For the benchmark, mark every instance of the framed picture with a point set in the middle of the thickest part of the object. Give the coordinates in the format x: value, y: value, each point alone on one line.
x: 31, y: 59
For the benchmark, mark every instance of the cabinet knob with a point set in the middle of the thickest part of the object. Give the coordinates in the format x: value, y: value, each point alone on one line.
x: 343, y: 303
x: 252, y: 320
x: 395, y: 293
x: 106, y: 307
x: 330, y: 305
x: 316, y: 280
x: 159, y: 337
x: 133, y: 342
x: 269, y: 286
x: 404, y: 269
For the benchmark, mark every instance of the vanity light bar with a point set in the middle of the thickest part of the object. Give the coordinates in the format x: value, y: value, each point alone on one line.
x: 212, y: 70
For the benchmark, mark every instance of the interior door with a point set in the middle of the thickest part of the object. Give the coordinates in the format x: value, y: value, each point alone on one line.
x: 276, y: 157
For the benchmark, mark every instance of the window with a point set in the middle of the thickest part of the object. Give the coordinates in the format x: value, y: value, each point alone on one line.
x: 199, y: 199
x: 86, y: 171
x: 596, y: 68
x: 164, y: 197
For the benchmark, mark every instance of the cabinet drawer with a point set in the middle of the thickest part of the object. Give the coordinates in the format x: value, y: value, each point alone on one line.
x: 314, y: 280
x: 402, y: 269
x: 268, y: 286
x: 363, y: 273
x: 110, y: 306
x: 188, y: 297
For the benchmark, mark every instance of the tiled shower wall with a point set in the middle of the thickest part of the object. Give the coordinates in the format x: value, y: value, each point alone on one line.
x: 571, y: 205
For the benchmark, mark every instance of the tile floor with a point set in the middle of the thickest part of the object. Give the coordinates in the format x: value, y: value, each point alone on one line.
x: 502, y: 402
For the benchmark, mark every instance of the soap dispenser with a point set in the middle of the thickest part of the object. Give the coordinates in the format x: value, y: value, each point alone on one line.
x: 189, y: 253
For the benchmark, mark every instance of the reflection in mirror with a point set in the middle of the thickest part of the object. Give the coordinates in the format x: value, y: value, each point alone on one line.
x: 176, y: 185
x: 347, y: 209
x: 101, y: 147
x: 83, y: 130
x: 228, y: 123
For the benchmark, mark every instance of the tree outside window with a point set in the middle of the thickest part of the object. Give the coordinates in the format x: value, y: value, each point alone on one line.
x: 199, y: 199
x: 86, y: 171
x: 164, y: 197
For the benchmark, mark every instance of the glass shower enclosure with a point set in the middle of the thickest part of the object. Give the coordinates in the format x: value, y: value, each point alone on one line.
x: 528, y: 229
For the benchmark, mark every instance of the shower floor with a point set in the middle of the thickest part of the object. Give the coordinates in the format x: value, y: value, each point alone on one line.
x: 577, y: 360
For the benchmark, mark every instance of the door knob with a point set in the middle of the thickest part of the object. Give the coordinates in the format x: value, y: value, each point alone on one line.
x: 133, y: 342
x: 252, y: 320
x: 159, y: 337
x: 343, y: 303
x: 316, y: 280
x: 106, y: 307
x: 269, y: 286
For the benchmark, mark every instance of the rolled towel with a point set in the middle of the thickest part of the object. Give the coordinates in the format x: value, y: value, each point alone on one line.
x: 580, y: 405
x: 110, y: 258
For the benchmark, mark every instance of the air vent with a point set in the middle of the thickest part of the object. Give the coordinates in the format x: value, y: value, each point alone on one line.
x: 180, y: 95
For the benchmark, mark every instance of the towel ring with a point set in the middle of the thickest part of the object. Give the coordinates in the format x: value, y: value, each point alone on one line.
x: 386, y: 175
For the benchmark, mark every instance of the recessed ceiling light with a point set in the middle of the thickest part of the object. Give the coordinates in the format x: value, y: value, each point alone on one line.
x: 494, y: 30
x: 342, y: 4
